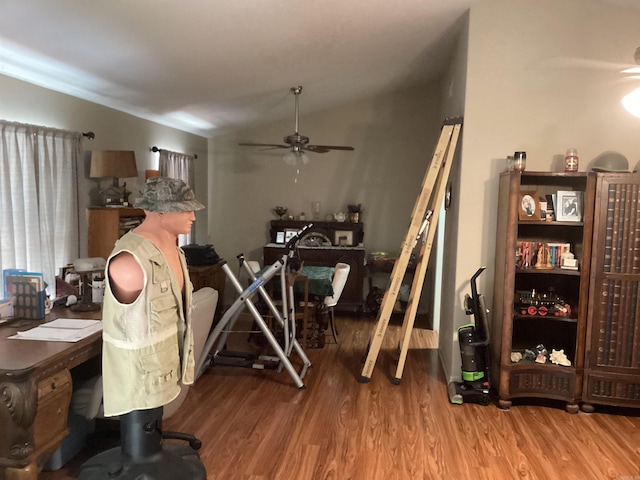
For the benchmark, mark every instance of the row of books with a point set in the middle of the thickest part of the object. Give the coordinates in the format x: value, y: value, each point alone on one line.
x: 618, y: 340
x: 540, y: 254
x: 622, y: 233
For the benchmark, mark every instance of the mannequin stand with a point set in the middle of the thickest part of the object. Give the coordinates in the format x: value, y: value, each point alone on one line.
x: 142, y: 455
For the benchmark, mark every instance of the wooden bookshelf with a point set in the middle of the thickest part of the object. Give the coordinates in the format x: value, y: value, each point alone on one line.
x: 531, y: 289
x: 105, y: 225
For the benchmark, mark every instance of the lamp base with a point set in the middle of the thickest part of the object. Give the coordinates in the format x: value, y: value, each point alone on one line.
x: 115, y: 195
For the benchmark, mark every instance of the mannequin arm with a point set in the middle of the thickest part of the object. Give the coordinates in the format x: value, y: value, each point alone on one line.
x: 126, y: 277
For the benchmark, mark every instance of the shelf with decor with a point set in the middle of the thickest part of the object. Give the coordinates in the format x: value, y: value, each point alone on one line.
x: 541, y: 286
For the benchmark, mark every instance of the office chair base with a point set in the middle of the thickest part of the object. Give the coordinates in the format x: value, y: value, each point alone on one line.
x: 172, y: 462
x: 143, y: 455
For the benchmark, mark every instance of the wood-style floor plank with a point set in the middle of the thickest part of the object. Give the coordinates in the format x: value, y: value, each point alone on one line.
x: 255, y: 425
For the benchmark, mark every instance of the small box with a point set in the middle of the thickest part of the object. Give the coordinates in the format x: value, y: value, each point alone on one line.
x: 27, y: 294
x: 6, y: 308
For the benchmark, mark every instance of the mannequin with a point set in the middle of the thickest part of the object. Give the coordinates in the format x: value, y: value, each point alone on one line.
x: 147, y: 337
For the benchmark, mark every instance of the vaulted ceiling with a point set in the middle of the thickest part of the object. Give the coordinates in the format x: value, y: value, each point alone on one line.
x: 201, y: 65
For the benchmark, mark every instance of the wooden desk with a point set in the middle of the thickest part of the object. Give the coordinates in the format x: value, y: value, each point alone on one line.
x: 35, y: 393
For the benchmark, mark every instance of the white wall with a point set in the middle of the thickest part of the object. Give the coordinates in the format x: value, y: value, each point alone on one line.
x: 453, y: 94
x: 26, y: 103
x: 522, y: 94
x: 393, y: 136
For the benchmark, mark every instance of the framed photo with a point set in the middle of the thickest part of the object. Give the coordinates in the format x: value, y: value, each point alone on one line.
x: 280, y: 237
x: 343, y: 238
x: 529, y: 206
x: 289, y: 233
x: 569, y: 206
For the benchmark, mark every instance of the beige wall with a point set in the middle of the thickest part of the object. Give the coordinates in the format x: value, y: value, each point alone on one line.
x: 522, y: 94
x: 26, y: 103
x: 393, y: 136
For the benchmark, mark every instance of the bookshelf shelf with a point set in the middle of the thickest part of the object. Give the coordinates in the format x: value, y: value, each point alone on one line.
x: 550, y: 271
x: 528, y: 276
x: 543, y: 318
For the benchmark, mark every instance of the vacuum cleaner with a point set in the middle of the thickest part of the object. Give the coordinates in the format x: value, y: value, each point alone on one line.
x: 474, y: 350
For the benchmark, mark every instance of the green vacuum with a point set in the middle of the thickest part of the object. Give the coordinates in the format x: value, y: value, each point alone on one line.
x: 474, y: 345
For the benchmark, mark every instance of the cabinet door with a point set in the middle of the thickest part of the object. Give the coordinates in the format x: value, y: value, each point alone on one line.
x: 613, y: 361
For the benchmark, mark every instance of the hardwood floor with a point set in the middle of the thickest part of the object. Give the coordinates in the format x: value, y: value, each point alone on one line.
x: 255, y: 425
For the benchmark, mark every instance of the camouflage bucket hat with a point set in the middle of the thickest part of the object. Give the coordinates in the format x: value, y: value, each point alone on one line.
x: 163, y: 194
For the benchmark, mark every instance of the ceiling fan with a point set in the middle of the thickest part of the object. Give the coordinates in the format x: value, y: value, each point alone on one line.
x: 625, y: 72
x: 297, y: 144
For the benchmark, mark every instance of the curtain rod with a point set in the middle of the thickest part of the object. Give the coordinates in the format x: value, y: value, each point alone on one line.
x: 89, y: 135
x: 155, y: 149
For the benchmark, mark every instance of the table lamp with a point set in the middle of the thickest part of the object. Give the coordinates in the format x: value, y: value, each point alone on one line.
x: 116, y: 164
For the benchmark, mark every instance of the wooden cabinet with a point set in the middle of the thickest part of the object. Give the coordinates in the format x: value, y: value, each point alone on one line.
x: 326, y: 244
x: 537, y: 303
x: 105, y: 225
x: 612, y: 364
x: 352, y: 295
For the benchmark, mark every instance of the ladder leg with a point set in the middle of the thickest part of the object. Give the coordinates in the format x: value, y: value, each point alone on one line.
x: 425, y: 253
x: 419, y: 211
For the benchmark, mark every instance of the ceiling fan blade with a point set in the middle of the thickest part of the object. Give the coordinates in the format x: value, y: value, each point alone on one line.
x: 272, y: 145
x: 325, y: 148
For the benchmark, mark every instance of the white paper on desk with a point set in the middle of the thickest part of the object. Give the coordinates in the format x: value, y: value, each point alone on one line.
x: 73, y: 323
x: 66, y: 333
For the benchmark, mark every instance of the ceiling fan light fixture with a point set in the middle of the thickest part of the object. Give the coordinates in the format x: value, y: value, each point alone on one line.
x: 296, y: 157
x: 631, y: 102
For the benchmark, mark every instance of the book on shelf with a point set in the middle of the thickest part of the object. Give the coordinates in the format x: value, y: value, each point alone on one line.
x: 551, y: 213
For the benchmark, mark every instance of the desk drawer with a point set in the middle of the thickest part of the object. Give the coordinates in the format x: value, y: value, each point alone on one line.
x: 54, y: 398
x: 56, y: 382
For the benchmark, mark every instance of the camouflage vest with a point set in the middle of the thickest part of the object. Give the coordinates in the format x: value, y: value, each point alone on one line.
x: 147, y: 345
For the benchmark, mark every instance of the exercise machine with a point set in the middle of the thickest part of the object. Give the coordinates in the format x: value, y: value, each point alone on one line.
x: 286, y: 265
x: 474, y: 351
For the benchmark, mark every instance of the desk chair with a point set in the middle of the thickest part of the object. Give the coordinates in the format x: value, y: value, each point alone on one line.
x: 340, y: 276
x: 139, y: 441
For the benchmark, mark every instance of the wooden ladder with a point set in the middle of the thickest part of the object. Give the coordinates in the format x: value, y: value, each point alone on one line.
x: 425, y: 213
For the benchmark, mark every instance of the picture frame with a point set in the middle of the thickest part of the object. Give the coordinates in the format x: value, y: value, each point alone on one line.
x: 343, y: 238
x: 529, y: 206
x: 280, y: 236
x: 568, y: 206
x: 289, y: 233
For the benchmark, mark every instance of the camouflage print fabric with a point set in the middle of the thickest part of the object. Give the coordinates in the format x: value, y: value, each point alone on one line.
x: 164, y: 194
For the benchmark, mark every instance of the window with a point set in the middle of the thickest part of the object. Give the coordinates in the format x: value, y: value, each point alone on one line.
x: 38, y: 199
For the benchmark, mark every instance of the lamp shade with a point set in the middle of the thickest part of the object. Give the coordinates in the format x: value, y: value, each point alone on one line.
x: 113, y: 163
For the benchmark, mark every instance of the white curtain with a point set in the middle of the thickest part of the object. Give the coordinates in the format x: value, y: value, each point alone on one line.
x: 178, y: 165
x: 38, y: 199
